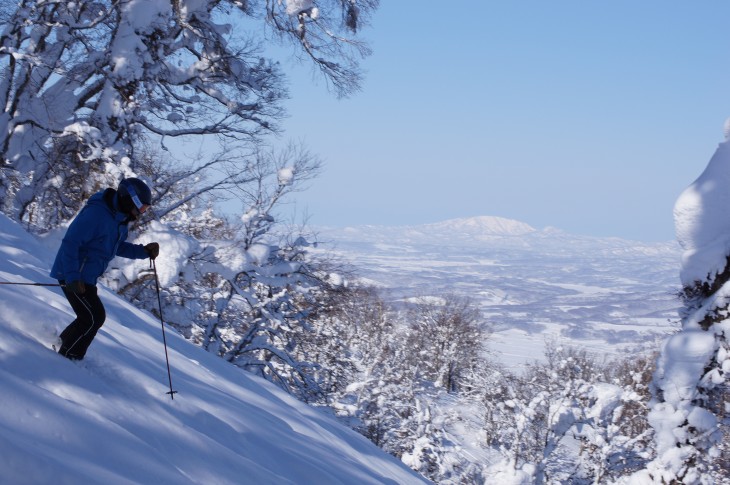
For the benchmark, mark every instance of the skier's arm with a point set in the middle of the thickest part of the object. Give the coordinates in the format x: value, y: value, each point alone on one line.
x: 131, y: 251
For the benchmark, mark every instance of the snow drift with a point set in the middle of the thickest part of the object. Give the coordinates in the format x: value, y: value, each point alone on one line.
x: 701, y: 219
x: 108, y: 418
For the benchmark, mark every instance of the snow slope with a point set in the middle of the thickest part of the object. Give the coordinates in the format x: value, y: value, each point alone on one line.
x: 109, y: 420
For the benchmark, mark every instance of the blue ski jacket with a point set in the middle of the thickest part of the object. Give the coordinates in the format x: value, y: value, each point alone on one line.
x: 94, y: 237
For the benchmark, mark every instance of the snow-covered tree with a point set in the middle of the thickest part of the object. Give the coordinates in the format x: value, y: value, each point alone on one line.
x: 615, y: 435
x: 379, y: 383
x: 84, y: 82
x: 569, y: 418
x: 548, y: 403
x: 375, y: 355
x: 691, y: 380
x: 446, y: 339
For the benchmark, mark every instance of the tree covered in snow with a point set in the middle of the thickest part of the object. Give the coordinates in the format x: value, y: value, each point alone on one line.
x: 544, y: 404
x: 689, y: 412
x: 84, y: 83
x: 615, y: 437
x: 385, y: 381
x: 446, y: 339
x: 570, y: 418
x: 378, y: 383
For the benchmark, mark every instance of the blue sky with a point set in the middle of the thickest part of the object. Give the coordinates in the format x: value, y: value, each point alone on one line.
x: 590, y: 117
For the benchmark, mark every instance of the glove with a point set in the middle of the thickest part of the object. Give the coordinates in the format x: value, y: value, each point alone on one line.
x: 77, y: 287
x: 153, y: 250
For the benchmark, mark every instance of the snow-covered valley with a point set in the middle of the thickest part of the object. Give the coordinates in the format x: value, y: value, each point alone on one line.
x: 604, y: 294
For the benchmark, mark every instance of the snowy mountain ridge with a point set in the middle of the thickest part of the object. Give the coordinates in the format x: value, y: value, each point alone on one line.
x: 489, y: 230
x: 482, y: 226
x: 466, y: 227
x: 108, y: 419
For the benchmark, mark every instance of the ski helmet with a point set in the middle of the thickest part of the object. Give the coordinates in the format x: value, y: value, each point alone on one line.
x: 133, y: 194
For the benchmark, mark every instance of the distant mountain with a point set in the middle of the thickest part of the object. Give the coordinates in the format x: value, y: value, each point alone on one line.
x: 488, y: 232
x: 469, y: 227
x: 482, y: 226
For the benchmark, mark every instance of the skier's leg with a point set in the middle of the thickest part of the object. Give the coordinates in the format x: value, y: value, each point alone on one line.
x: 90, y: 316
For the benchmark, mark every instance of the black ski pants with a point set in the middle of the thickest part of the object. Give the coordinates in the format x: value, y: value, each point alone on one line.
x: 90, y: 316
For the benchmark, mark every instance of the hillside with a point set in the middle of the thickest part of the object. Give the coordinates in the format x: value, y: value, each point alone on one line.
x: 108, y: 419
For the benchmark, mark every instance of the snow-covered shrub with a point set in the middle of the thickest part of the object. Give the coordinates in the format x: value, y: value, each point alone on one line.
x: 570, y: 418
x: 446, y: 339
x: 616, y: 436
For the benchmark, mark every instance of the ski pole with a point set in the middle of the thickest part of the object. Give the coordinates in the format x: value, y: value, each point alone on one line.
x: 31, y: 284
x: 162, y: 323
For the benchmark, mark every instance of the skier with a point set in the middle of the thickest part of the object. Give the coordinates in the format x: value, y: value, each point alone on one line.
x: 94, y: 237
